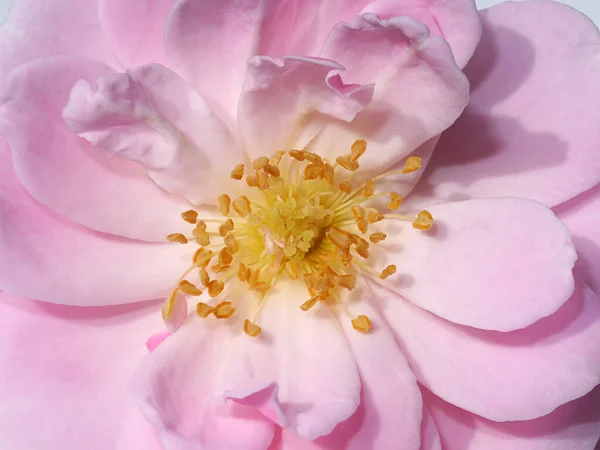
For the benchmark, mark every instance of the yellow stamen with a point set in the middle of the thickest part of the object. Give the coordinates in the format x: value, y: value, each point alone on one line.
x: 361, y: 323
x: 177, y: 237
x: 424, y: 220
x: 412, y: 163
x: 190, y: 216
x: 395, y: 201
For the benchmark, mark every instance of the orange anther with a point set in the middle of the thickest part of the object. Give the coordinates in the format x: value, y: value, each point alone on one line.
x: 241, y: 205
x: 362, y: 324
x: 375, y: 217
x: 311, y: 172
x: 424, y: 220
x: 190, y: 216
x: 412, y: 163
x: 309, y: 303
x: 224, y: 204
x: 358, y: 212
x: 242, y: 272
x: 224, y: 310
x: 377, y: 237
x: 188, y: 288
x: 177, y: 237
x: 203, y: 310
x: 225, y: 257
x: 204, y: 277
x: 362, y: 224
x: 368, y: 189
x: 251, y: 329
x: 231, y: 243
x: 299, y: 155
x: 238, y: 172
x: 226, y: 227
x: 395, y: 201
x: 347, y: 162
x: 215, y: 287
x: 389, y: 270
x: 345, y: 187
x: 260, y: 163
x: 347, y: 281
x: 358, y: 148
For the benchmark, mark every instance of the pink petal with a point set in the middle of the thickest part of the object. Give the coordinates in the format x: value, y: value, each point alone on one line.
x: 134, y: 29
x: 138, y: 434
x: 430, y: 438
x: 518, y: 375
x: 497, y: 264
x: 277, y: 96
x: 582, y: 216
x: 398, y: 56
x: 573, y: 426
x: 64, y: 172
x: 530, y: 128
x: 456, y: 21
x: 175, y: 386
x: 47, y: 257
x: 66, y: 372
x: 36, y: 28
x: 306, y: 354
x: 151, y: 116
x: 390, y: 412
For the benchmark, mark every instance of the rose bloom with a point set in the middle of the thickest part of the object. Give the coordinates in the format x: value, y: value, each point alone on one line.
x: 213, y: 237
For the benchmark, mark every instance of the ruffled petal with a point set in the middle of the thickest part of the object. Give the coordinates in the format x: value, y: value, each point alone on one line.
x: 518, y: 375
x: 419, y: 90
x: 66, y: 372
x: 36, y: 29
x: 64, y: 172
x: 530, y: 129
x: 49, y: 258
x: 456, y: 21
x: 134, y: 29
x: 317, y: 385
x: 278, y: 97
x: 175, y: 386
x: 430, y: 438
x: 138, y: 433
x: 582, y: 216
x: 574, y: 426
x: 497, y: 264
x: 151, y: 116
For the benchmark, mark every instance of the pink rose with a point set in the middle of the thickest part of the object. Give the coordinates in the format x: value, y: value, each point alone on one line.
x: 332, y: 309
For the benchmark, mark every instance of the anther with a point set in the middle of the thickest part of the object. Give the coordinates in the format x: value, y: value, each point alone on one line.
x: 190, y: 216
x: 251, y: 329
x: 299, y: 155
x: 169, y: 303
x: 362, y: 224
x: 261, y: 287
x: 276, y: 158
x: 423, y: 221
x: 347, y: 162
x: 358, y: 148
x: 340, y: 238
x: 201, y: 225
x: 215, y: 287
x: 309, y: 303
x: 389, y: 270
x: 238, y: 172
x: 375, y: 217
x: 241, y: 205
x: 177, y: 237
x: 361, y: 323
x: 188, y: 288
x: 263, y: 180
x: 345, y: 187
x: 231, y: 243
x: 224, y: 204
x: 311, y: 172
x: 347, y: 281
x: 412, y: 163
x: 272, y: 170
x: 368, y: 189
x: 224, y: 310
x: 377, y: 237
x: 395, y: 201
x: 226, y: 227
x: 202, y: 237
x: 225, y: 257
x: 242, y: 272
x: 362, y: 248
x: 358, y: 212
x: 252, y: 180
x: 204, y: 277
x: 260, y: 163
x: 203, y: 310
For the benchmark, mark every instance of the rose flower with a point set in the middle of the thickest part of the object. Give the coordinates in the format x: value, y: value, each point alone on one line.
x: 310, y: 224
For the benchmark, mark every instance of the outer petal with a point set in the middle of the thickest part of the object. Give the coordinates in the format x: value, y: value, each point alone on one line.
x: 430, y: 438
x: 497, y: 264
x: 279, y: 97
x: 582, y: 216
x: 456, y: 21
x: 530, y: 128
x: 175, y: 385
x: 519, y: 375
x: 306, y: 355
x: 62, y: 171
x: 419, y: 91
x: 574, y: 426
x: 34, y: 29
x: 49, y: 258
x: 66, y: 372
x: 134, y: 29
x: 151, y: 116
x: 138, y: 434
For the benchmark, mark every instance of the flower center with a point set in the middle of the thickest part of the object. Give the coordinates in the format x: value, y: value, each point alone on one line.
x: 308, y: 222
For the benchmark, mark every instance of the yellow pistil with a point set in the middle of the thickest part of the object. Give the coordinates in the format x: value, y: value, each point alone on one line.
x: 310, y: 226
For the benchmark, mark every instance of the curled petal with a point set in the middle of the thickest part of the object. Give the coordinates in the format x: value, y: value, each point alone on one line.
x: 150, y: 115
